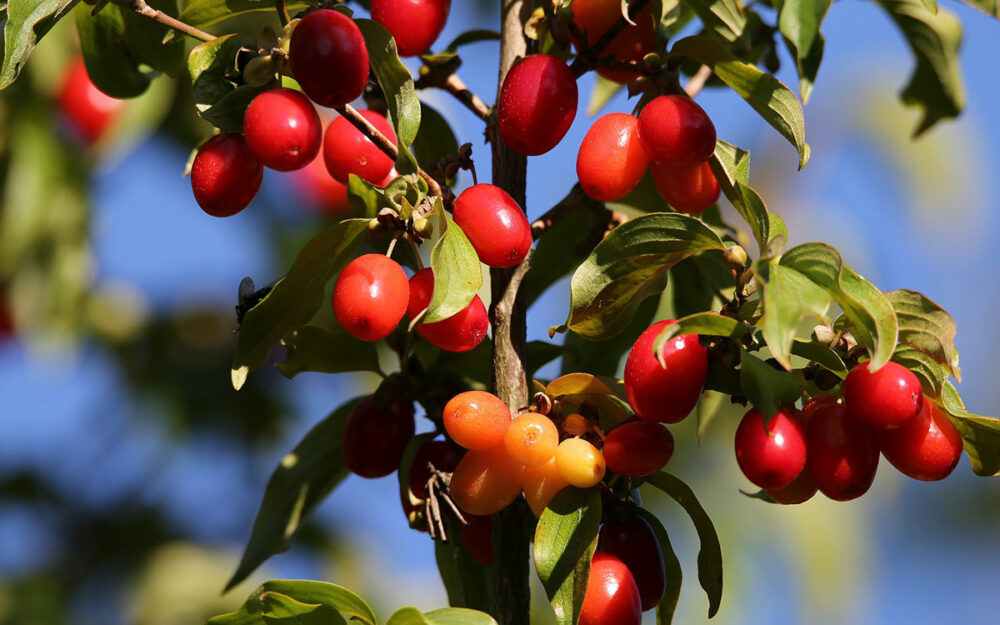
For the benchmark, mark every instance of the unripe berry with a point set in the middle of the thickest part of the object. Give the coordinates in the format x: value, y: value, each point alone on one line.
x: 329, y: 58
x: 537, y: 104
x: 88, y: 110
x: 770, y: 457
x: 376, y: 435
x: 612, y: 597
x: 461, y: 332
x: 225, y: 175
x: 486, y: 481
x: 638, y: 448
x: 495, y: 224
x: 441, y: 454
x: 580, y: 463
x: 531, y: 439
x: 633, y: 541
x: 346, y: 151
x: 595, y: 17
x: 689, y: 189
x: 370, y: 296
x: 842, y: 453
x: 611, y: 161
x: 885, y: 399
x: 665, y: 394
x: 541, y: 483
x: 674, y: 130
x: 282, y: 129
x: 476, y: 419
x: 477, y: 538
x: 414, y: 24
x: 926, y: 447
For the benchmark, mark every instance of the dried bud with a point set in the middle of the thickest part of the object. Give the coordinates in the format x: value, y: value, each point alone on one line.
x: 423, y: 227
x: 823, y: 334
x: 736, y: 257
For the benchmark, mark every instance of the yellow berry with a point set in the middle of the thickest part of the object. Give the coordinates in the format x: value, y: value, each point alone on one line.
x: 579, y: 462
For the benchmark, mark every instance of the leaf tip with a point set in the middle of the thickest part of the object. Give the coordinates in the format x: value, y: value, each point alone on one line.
x: 239, y: 376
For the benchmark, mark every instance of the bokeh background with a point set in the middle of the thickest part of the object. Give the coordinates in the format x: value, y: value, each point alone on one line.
x: 130, y: 471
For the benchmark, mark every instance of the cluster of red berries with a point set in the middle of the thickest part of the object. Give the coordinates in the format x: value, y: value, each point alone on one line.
x: 834, y: 446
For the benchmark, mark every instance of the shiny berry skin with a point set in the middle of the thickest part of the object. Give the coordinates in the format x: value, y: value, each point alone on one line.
x: 610, y: 161
x: 461, y: 332
x: 346, y: 151
x: 320, y: 189
x: 674, y: 130
x: 595, y: 17
x: 495, y: 224
x: 441, y: 454
x: 477, y: 538
x: 282, y: 129
x: 476, y: 419
x: 414, y: 24
x: 370, y: 296
x: 612, y: 597
x: 925, y: 448
x: 486, y: 481
x: 771, y: 457
x: 580, y: 463
x: 885, y: 399
x: 225, y: 175
x: 842, y: 453
x: 541, y: 483
x: 375, y: 436
x: 666, y: 394
x: 689, y: 190
x: 802, y: 488
x: 329, y: 58
x: 531, y: 439
x: 638, y: 448
x: 89, y: 110
x: 633, y: 541
x: 537, y: 104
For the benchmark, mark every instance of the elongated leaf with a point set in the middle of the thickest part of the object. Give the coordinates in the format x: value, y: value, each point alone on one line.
x: 407, y: 616
x: 467, y: 582
x: 925, y: 326
x: 110, y: 62
x: 628, y: 266
x: 766, y: 94
x: 788, y: 297
x: 279, y: 609
x: 565, y: 539
x: 202, y: 13
x: 932, y: 374
x: 395, y: 80
x: 799, y: 21
x: 710, y: 555
x: 672, y: 571
x: 312, y: 348
x: 767, y: 388
x: 725, y: 18
x: 706, y: 323
x: 577, y: 383
x: 980, y: 435
x: 275, y: 594
x: 27, y: 21
x: 458, y: 616
x: 822, y: 354
x: 871, y: 314
x: 603, y: 357
x: 731, y: 167
x: 990, y: 7
x: 435, y: 139
x: 212, y: 68
x: 146, y: 39
x: 296, y: 297
x: 457, y: 272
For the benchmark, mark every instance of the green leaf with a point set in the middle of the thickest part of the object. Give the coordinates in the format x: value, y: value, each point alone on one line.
x: 822, y: 354
x: 457, y: 272
x: 146, y: 39
x: 395, y: 80
x: 932, y: 374
x: 565, y: 540
x: 279, y: 609
x: 296, y: 596
x: 767, y: 388
x: 110, y: 62
x: 312, y: 348
x: 458, y: 616
x: 407, y: 616
x: 213, y: 72
x: 980, y: 435
x: 788, y: 297
x: 575, y: 384
x: 766, y: 94
x: 629, y: 265
x: 296, y: 297
x: 990, y: 7
x: 202, y: 13
x: 435, y: 139
x: 672, y: 569
x: 365, y: 198
x: 603, y: 357
x: 799, y: 21
x: 710, y: 555
x: 731, y: 167
x: 467, y: 582
x: 27, y: 21
x: 706, y: 323
x: 871, y: 314
x: 936, y: 84
x: 925, y: 326
x: 725, y: 18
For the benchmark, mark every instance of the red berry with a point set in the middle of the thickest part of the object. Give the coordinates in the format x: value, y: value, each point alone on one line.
x: 477, y: 538
x: 665, y: 394
x: 633, y: 541
x: 843, y: 453
x: 925, y: 448
x: 376, y: 434
x: 369, y: 297
x: 495, y: 224
x: 674, y: 130
x: 88, y: 109
x: 770, y: 457
x: 885, y: 399
x: 414, y: 24
x: 612, y: 597
x: 537, y: 104
x: 346, y: 151
x: 459, y: 333
x: 690, y: 189
x: 318, y: 186
x: 282, y: 129
x: 802, y: 488
x: 225, y: 175
x: 329, y: 58
x: 441, y: 454
x: 595, y: 17
x: 638, y: 448
x: 611, y: 161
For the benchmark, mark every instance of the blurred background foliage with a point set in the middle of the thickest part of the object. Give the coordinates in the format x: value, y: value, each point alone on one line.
x: 130, y: 471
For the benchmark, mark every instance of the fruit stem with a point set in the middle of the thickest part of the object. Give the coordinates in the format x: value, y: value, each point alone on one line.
x: 588, y: 56
x: 282, y: 10
x: 143, y: 9
x: 575, y: 200
x: 456, y: 87
x: 698, y: 81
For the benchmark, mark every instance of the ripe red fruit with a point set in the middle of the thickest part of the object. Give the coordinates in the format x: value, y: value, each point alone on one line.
x: 770, y: 457
x: 595, y: 17
x: 885, y: 399
x: 225, y: 175
x: 414, y: 24
x: 674, y: 130
x: 477, y: 538
x: 476, y: 419
x: 346, y: 151
x: 329, y: 58
x: 459, y: 333
x: 537, y: 104
x: 926, y: 447
x: 802, y: 488
x: 689, y: 190
x: 320, y: 189
x: 88, y: 110
x: 441, y: 454
x: 665, y: 394
x: 486, y: 481
x: 633, y: 541
x: 611, y: 161
x: 612, y: 597
x: 495, y: 224
x: 282, y: 129
x: 842, y: 453
x: 375, y: 435
x: 369, y: 297
x: 638, y: 448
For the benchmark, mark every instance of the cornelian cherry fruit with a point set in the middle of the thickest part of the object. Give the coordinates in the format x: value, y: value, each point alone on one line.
x: 674, y: 130
x: 225, y: 175
x: 329, y: 58
x: 595, y: 17
x: 771, y: 456
x: 414, y: 24
x: 282, y: 129
x: 88, y: 110
x: 541, y: 483
x: 803, y: 487
x: 486, y: 481
x: 370, y: 296
x: 476, y: 419
x: 461, y: 332
x: 346, y: 151
x: 926, y: 447
x: 580, y: 463
x: 611, y: 161
x: 441, y: 454
x: 885, y: 399
x: 495, y: 224
x: 689, y: 189
x: 537, y: 104
x: 612, y: 597
x: 531, y: 439
x: 842, y: 453
x: 376, y: 434
x: 665, y: 394
x: 638, y: 448
x: 633, y: 541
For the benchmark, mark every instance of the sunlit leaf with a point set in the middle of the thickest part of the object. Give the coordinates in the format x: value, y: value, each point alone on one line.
x: 457, y: 272
x: 105, y: 45
x: 26, y: 23
x: 925, y: 326
x: 312, y: 348
x: 980, y: 435
x: 576, y: 383
x: 799, y: 21
x: 202, y: 13
x: 723, y: 17
x: 788, y: 297
x: 767, y: 388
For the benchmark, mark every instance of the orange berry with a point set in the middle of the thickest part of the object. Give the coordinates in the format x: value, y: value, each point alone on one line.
x: 580, y: 463
x: 531, y: 439
x: 576, y: 425
x: 486, y: 481
x: 476, y: 419
x: 541, y: 483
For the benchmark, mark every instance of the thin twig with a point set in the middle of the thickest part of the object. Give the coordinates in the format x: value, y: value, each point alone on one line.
x: 457, y: 87
x: 698, y: 81
x: 143, y: 9
x: 585, y: 60
x: 577, y: 199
